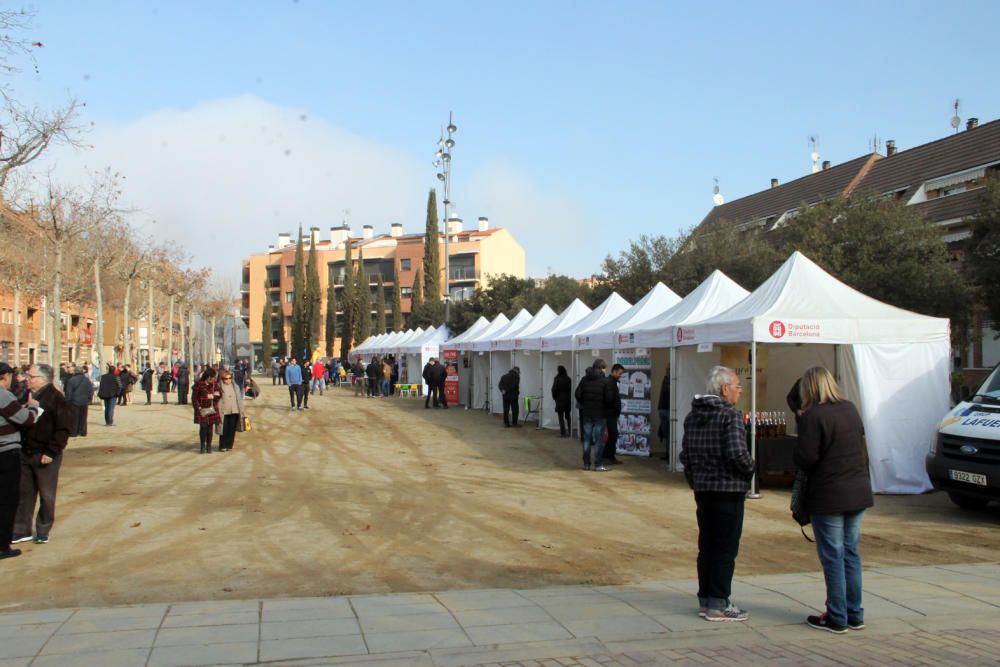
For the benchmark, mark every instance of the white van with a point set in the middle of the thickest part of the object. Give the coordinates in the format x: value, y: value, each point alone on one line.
x: 965, y: 459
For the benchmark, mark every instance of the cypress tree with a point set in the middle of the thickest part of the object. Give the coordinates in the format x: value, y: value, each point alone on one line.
x: 331, y: 317
x: 432, y: 263
x: 417, y: 294
x: 282, y: 341
x: 363, y: 301
x: 266, y: 328
x: 347, y: 304
x: 315, y: 298
x: 380, y: 307
x: 299, y: 301
x: 397, y: 305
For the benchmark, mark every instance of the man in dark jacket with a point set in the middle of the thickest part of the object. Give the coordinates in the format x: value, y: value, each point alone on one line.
x: 79, y: 392
x: 41, y: 457
x: 718, y: 468
x: 372, y: 373
x: 510, y: 390
x: 594, y: 397
x: 108, y: 390
x: 430, y: 376
x: 183, y: 384
x: 614, y: 411
x: 440, y: 376
x: 13, y: 417
x: 146, y: 382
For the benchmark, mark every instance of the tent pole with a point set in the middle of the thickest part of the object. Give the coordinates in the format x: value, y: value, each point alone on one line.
x: 755, y: 480
x: 672, y: 453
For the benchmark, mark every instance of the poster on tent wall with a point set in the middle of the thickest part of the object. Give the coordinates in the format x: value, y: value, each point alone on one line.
x: 635, y: 386
x: 450, y: 360
x: 737, y: 357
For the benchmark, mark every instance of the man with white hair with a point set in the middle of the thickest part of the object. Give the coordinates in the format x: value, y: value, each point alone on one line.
x: 718, y: 468
x: 41, y: 458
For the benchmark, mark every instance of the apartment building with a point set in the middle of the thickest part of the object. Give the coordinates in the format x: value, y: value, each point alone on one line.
x: 474, y: 255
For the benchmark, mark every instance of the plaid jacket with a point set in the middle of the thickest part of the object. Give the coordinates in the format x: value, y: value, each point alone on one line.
x: 714, y: 453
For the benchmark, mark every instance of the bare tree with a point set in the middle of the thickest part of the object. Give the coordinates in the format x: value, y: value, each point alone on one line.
x: 24, y: 275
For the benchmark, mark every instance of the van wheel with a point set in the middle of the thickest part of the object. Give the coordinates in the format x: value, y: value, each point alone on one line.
x: 966, y: 501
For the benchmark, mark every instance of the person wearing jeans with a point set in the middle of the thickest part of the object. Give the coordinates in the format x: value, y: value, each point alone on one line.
x: 718, y: 469
x: 594, y: 395
x: 293, y: 378
x: 108, y: 390
x: 831, y: 450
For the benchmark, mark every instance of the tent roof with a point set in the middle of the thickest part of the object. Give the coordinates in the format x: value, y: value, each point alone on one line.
x: 656, y: 300
x: 407, y: 336
x: 516, y: 324
x: 472, y: 331
x: 802, y: 303
x: 574, y: 312
x: 431, y: 337
x: 541, y: 319
x: 499, y: 322
x: 715, y: 294
x: 609, y: 309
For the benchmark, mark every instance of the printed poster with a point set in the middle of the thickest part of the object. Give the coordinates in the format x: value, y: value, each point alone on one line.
x: 635, y: 386
x: 450, y: 360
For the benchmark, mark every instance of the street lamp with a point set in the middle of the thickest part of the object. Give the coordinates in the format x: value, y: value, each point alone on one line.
x: 443, y: 163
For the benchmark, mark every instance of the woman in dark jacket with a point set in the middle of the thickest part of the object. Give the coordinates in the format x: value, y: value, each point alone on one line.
x: 562, y: 394
x: 147, y: 383
x: 832, y: 451
x: 163, y: 383
x: 205, y: 396
x: 182, y: 384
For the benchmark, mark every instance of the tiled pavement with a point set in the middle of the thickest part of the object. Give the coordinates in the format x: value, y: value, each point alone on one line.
x: 915, y: 615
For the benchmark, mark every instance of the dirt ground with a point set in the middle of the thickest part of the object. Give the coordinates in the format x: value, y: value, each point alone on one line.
x: 363, y: 495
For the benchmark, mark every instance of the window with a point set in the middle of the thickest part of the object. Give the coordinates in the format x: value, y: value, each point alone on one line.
x: 404, y: 265
x: 273, y: 276
x: 290, y: 271
x: 289, y: 297
x: 405, y: 292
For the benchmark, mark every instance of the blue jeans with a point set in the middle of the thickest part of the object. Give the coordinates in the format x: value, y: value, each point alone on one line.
x: 109, y: 411
x: 386, y: 386
x: 593, y: 440
x: 837, y: 537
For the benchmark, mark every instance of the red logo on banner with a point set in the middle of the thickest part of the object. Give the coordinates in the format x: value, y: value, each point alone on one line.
x: 680, y: 335
x: 777, y: 329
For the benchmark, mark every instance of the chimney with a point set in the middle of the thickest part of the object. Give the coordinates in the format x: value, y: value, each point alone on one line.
x: 774, y: 182
x: 338, y: 235
x: 313, y: 235
x: 367, y: 232
x: 270, y: 248
x: 484, y: 224
x: 826, y: 165
x: 454, y: 225
x: 396, y: 229
x: 971, y: 124
x: 284, y: 240
x: 890, y: 147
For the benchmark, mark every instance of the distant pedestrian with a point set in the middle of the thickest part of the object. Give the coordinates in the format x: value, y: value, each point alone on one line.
x: 183, y: 383
x: 372, y: 372
x: 108, y: 390
x: 146, y: 382
x: 562, y: 396
x: 275, y: 370
x: 293, y: 378
x: 614, y: 413
x: 510, y: 391
x: 205, y: 397
x: 164, y: 382
x: 79, y: 392
x: 831, y: 450
x: 718, y: 469
x: 230, y: 409
x: 594, y: 397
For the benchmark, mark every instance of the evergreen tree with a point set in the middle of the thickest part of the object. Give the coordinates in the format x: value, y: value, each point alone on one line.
x: 347, y: 304
x: 397, y: 305
x: 331, y: 317
x: 282, y: 341
x: 432, y: 264
x: 266, y: 328
x: 417, y: 314
x: 380, y: 307
x: 363, y: 302
x: 299, y: 301
x: 315, y: 298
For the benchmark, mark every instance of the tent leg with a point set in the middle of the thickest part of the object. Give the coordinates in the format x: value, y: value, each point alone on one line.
x: 755, y: 480
x: 672, y: 453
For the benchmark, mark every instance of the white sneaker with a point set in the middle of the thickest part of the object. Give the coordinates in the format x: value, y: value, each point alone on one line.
x: 730, y: 613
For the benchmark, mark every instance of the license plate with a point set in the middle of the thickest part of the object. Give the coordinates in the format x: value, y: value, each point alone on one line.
x: 970, y: 477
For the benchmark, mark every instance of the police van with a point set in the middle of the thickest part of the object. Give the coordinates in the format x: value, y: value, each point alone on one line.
x: 965, y: 459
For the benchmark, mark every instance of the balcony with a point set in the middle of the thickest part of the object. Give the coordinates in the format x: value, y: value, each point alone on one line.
x: 244, y: 288
x: 463, y: 274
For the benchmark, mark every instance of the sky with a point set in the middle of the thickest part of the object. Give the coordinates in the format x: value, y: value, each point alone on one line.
x: 581, y: 125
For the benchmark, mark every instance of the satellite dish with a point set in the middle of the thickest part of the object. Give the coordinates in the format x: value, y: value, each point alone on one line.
x: 955, y: 122
x: 718, y: 199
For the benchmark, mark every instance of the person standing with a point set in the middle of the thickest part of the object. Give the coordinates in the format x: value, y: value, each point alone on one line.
x: 129, y: 379
x: 164, y: 382
x: 386, y: 377
x: 831, y: 450
x: 41, y: 458
x: 319, y: 372
x: 146, y: 382
x: 183, y: 383
x: 440, y: 373
x: 205, y: 396
x: 108, y: 390
x: 372, y: 373
x: 79, y: 392
x: 510, y: 391
x: 594, y: 396
x: 718, y: 469
x: 293, y: 378
x: 614, y: 412
x: 306, y: 379
x: 429, y: 383
x: 13, y: 418
x: 275, y: 367
x: 230, y: 409
x: 239, y: 377
x: 358, y: 373
x: 663, y: 410
x: 562, y: 395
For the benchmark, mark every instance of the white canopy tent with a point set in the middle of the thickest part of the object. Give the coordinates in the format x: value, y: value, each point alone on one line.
x: 892, y: 363
x: 419, y: 351
x: 465, y: 368
x: 605, y: 338
x: 528, y: 347
x: 480, y: 362
x: 500, y: 361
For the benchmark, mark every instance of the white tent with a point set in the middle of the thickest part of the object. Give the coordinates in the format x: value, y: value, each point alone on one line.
x: 418, y: 352
x: 500, y: 360
x: 465, y: 367
x: 480, y: 361
x: 528, y: 348
x: 605, y: 338
x: 892, y: 363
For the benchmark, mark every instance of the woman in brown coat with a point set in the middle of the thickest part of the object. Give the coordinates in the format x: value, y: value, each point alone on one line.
x: 205, y: 396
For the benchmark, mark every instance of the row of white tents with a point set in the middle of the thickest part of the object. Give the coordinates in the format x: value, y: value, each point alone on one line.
x: 892, y: 363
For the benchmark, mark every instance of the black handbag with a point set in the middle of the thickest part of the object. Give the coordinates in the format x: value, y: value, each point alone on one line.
x: 800, y: 512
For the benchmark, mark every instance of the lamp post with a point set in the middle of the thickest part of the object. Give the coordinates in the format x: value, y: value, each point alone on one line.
x: 443, y: 164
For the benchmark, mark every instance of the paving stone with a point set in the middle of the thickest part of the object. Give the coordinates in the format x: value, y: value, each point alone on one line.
x: 29, y: 630
x: 116, y: 658
x: 22, y: 647
x: 99, y: 641
x: 502, y: 616
x: 330, y: 627
x: 32, y: 617
x: 220, y: 618
x: 310, y: 610
x: 385, y: 642
x: 311, y: 647
x: 371, y: 623
x: 480, y: 600
x: 517, y: 633
x: 215, y: 607
x: 613, y: 628
x: 202, y: 635
x: 212, y: 654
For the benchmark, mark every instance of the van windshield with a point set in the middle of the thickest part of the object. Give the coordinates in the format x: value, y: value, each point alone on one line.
x: 989, y: 391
